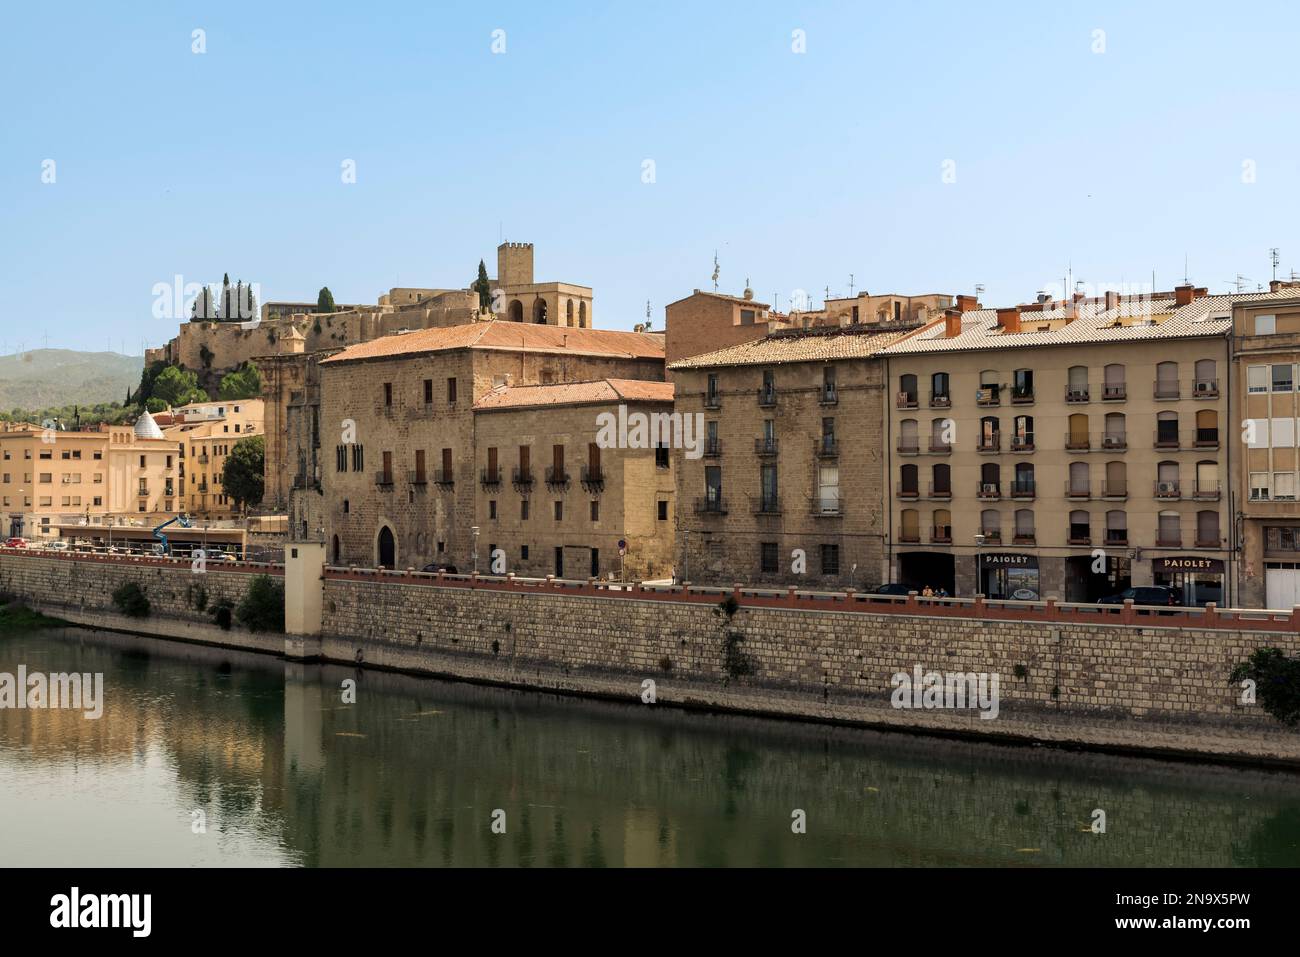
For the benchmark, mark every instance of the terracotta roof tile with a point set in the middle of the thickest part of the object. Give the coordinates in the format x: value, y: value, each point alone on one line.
x: 603, y: 391
x: 509, y: 336
x: 796, y: 347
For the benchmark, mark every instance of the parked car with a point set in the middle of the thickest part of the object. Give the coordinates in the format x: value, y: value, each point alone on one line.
x: 59, y: 546
x: 440, y: 567
x: 16, y: 543
x: 893, y: 588
x: 1145, y: 595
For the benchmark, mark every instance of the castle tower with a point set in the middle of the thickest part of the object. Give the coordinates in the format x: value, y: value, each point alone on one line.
x: 514, y: 265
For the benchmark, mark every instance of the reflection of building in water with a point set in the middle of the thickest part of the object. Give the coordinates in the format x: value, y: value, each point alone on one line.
x: 303, y: 703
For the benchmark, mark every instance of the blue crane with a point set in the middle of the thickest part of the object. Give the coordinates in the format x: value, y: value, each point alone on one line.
x: 165, y: 548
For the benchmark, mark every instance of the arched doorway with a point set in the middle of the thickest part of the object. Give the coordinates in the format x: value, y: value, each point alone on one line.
x: 515, y: 311
x: 387, y: 548
x: 539, y: 311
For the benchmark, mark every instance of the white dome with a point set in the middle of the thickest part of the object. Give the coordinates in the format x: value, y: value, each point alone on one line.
x: 147, y: 428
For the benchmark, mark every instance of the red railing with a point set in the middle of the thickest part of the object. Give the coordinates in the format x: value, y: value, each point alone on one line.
x: 1245, y: 619
x: 214, y: 562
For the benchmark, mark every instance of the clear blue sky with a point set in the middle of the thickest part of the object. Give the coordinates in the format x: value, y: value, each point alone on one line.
x: 798, y: 168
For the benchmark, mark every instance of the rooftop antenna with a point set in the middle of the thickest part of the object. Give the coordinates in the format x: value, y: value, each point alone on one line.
x: 850, y: 285
x: 1273, y: 257
x: 1186, y: 279
x: 979, y: 290
x: 716, y: 270
x: 826, y: 296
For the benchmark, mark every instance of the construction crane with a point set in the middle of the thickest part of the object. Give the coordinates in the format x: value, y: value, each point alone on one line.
x: 165, y: 547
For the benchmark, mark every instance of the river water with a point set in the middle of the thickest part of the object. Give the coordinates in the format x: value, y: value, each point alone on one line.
x: 211, y: 757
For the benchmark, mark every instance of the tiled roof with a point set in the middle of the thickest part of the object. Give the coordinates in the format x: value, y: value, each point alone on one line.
x: 604, y: 391
x: 811, y: 347
x: 1093, y: 323
x: 509, y: 336
x: 738, y: 300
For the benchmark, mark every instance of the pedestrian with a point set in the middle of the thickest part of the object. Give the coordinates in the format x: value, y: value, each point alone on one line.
x: 927, y: 592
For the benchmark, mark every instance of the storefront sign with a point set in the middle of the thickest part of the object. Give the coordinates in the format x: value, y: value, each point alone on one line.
x: 1211, y: 566
x: 1010, y: 561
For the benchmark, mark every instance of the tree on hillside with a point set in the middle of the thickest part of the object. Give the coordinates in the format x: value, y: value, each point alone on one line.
x: 242, y: 476
x: 325, y: 300
x: 244, y: 383
x: 148, y: 376
x: 177, y: 387
x: 483, y: 287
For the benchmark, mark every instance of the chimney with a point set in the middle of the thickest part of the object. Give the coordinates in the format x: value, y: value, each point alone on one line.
x: 1009, y: 319
x: 1183, y: 295
x: 951, y: 323
x: 967, y: 304
x: 1112, y: 300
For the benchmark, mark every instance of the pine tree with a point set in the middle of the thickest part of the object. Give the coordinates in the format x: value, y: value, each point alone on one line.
x: 483, y: 287
x: 325, y: 300
x: 225, y: 297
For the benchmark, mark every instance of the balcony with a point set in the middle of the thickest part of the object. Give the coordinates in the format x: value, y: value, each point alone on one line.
x: 1205, y: 389
x: 765, y: 504
x: 203, y: 488
x: 1117, y: 443
x: 417, y: 477
x: 940, y: 400
x: 1167, y: 489
x: 1076, y: 490
x: 988, y: 396
x: 940, y: 447
x: 1206, y: 491
x: 1206, y: 542
x: 765, y: 447
x: 992, y: 537
x: 826, y: 507
x: 1115, y: 489
x: 384, y: 479
x: 1076, y: 396
x: 766, y: 397
x: 907, y: 400
x: 827, y: 448
x: 142, y: 491
x: 1077, y: 443
x: 1023, y: 489
x: 1078, y: 537
x: 592, y: 478
x: 1022, y: 396
x: 1116, y: 536
x: 445, y: 477
x: 909, y: 537
x: 1114, y: 392
x: 203, y: 459
x: 712, y: 448
x: 1166, y: 440
x: 490, y: 477
x: 1023, y: 539
x: 557, y: 477
x: 990, y: 442
x: 1169, y: 540
x: 1206, y: 439
x: 711, y: 505
x: 522, y: 478
x: 941, y: 535
x: 906, y: 492
x: 713, y: 400
x: 942, y: 493
x: 1165, y: 390
x: 1022, y: 443
x: 989, y: 491
x: 909, y: 446
x: 830, y: 396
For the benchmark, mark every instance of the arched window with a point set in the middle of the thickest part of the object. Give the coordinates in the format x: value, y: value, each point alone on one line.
x: 1078, y: 484
x: 1116, y: 480
x: 1076, y: 389
x: 907, y: 391
x: 386, y: 548
x: 940, y: 397
x: 1024, y: 480
x: 1024, y: 526
x: 990, y: 437
x: 1167, y: 480
x: 568, y: 312
x: 1116, y: 527
x: 940, y: 435
x: 1207, y: 529
x: 941, y: 531
x: 1207, y: 480
x: 908, y: 484
x: 941, y: 480
x: 1166, y: 430
x: 515, y: 311
x: 1077, y: 436
x: 1166, y: 380
x: 1116, y: 435
x: 1023, y: 435
x: 989, y: 387
x: 990, y: 480
x: 582, y: 315
x: 539, y: 311
x: 910, y: 526
x: 1168, y: 533
x: 1207, y: 429
x: 1113, y: 386
x: 991, y: 524
x: 907, y: 436
x: 1207, y: 378
x: 1080, y: 527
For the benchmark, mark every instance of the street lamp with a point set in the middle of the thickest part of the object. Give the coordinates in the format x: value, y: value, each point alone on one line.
x: 979, y: 564
x: 474, y: 531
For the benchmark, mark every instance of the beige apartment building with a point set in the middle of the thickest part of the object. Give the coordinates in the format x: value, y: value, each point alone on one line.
x: 1265, y: 401
x: 207, y: 433
x: 51, y: 478
x: 1064, y: 449
x: 404, y: 469
x: 790, y: 485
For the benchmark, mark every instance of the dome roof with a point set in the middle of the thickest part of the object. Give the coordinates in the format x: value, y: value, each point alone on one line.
x: 147, y: 428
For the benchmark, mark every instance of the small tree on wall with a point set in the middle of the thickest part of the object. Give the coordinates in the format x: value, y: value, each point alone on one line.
x: 483, y: 287
x: 325, y: 300
x: 242, y: 475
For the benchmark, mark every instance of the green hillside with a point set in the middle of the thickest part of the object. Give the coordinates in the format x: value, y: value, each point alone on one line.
x: 48, y: 378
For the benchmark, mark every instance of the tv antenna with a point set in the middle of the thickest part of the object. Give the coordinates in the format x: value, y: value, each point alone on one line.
x: 850, y: 285
x: 1274, y: 259
x: 715, y: 270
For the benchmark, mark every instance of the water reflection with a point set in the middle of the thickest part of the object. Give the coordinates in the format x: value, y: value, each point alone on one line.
x: 287, y: 774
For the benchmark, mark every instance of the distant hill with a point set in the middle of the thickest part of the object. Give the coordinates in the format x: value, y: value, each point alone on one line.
x: 49, y: 378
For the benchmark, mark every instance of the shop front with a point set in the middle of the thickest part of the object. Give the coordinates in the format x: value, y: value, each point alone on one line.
x: 1007, y: 575
x: 1198, y: 580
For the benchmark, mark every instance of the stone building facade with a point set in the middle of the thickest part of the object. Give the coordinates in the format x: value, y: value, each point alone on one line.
x: 400, y: 466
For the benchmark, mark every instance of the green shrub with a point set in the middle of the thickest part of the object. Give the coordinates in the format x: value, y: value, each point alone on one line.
x: 222, y: 613
x: 131, y: 600
x: 263, y: 606
x: 1277, y: 683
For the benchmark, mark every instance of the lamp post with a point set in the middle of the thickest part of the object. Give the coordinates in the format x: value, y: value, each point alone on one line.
x: 474, y: 532
x: 979, y: 564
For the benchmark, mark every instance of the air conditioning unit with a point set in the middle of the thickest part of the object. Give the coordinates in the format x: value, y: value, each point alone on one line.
x: 1205, y: 387
x: 1166, y: 488
x: 1112, y: 441
x: 989, y: 488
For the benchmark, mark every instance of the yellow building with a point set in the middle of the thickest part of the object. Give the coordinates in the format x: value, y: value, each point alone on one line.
x: 208, y: 433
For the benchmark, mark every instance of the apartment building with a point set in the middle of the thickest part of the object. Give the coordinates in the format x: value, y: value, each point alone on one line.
x: 207, y: 433
x: 404, y: 465
x: 1265, y: 401
x: 790, y: 487
x: 50, y: 478
x: 1064, y: 449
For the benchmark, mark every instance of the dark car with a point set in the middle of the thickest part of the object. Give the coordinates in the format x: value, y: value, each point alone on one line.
x: 440, y: 567
x: 893, y: 588
x: 1145, y: 595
